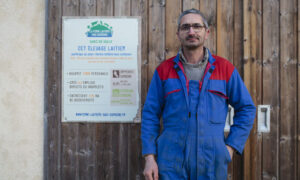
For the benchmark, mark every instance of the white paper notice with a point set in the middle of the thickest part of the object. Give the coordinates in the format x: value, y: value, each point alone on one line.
x: 101, y: 77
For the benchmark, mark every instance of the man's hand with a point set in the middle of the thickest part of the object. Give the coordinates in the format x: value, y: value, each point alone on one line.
x: 230, y: 150
x: 151, y: 168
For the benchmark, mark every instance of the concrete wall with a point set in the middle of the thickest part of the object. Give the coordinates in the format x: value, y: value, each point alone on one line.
x: 22, y: 42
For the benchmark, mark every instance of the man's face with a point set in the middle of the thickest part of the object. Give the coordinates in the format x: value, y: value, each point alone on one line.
x: 195, y: 36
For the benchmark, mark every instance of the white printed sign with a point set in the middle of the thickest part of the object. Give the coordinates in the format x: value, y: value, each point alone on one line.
x: 101, y: 69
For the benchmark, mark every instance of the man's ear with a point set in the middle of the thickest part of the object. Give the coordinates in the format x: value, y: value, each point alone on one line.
x: 207, y: 33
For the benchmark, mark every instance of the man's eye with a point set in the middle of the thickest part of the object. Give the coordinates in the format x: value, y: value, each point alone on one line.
x: 185, y: 27
x: 197, y: 26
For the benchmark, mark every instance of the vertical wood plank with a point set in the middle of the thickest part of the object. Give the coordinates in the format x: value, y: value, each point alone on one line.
x: 190, y: 4
x: 104, y: 161
x: 246, y: 68
x: 236, y: 167
x: 122, y: 7
x: 121, y: 131
x: 172, y: 43
x: 53, y: 156
x: 247, y: 42
x: 136, y: 165
x: 104, y: 131
x: 238, y: 38
x: 288, y: 84
x: 70, y: 131
x: 70, y: 161
x: 270, y: 83
x: 105, y: 7
x: 252, y: 78
x: 70, y: 7
x: 120, y: 150
x: 298, y: 99
x: 156, y: 35
x: 208, y: 8
x: 135, y: 159
x: 256, y: 87
x: 225, y: 29
x: 88, y: 7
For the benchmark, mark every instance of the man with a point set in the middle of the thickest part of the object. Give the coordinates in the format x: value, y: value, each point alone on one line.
x: 191, y: 93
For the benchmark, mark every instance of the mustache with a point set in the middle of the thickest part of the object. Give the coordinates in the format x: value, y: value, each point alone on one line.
x: 192, y: 37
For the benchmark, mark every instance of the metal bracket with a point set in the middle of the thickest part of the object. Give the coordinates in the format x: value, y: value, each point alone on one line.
x: 229, y: 119
x: 263, y: 118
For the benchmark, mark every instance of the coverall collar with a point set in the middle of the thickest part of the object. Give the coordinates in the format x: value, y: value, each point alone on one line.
x: 211, y: 60
x: 184, y: 81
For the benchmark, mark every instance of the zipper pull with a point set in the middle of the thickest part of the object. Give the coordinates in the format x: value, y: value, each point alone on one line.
x: 189, y: 114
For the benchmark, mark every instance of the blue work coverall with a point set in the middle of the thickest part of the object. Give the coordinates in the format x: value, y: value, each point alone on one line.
x: 191, y: 144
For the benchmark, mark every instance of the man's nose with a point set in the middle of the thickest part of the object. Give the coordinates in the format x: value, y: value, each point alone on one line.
x: 191, y: 30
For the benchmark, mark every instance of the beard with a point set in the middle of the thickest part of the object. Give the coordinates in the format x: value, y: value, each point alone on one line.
x: 192, y: 45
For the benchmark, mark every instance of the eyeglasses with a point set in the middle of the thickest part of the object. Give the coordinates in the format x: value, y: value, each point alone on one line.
x: 196, y: 27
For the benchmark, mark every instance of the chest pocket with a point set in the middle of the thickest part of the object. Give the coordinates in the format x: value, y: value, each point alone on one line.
x: 217, y: 101
x: 174, y: 101
x: 171, y: 86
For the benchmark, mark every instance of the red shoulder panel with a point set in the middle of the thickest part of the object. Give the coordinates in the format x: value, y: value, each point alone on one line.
x: 223, y: 69
x: 166, y: 70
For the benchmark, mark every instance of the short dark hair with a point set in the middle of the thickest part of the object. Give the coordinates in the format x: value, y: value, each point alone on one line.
x: 192, y: 11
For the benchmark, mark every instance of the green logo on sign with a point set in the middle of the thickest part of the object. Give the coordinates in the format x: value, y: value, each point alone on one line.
x: 99, y: 29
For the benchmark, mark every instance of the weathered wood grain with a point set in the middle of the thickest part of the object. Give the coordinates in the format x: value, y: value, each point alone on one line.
x: 238, y: 32
x: 70, y: 131
x: 256, y: 81
x: 225, y: 29
x: 88, y: 7
x: 156, y: 35
x: 288, y: 90
x: 208, y: 8
x: 105, y: 8
x: 69, y: 150
x: 52, y: 157
x: 298, y: 100
x: 135, y: 159
x: 252, y: 78
x: 237, y: 163
x: 172, y: 42
x: 270, y: 86
x: 70, y: 7
x: 104, y: 147
x: 122, y: 7
x: 246, y: 75
x: 190, y: 4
